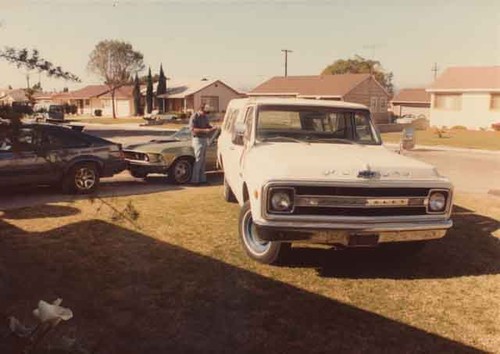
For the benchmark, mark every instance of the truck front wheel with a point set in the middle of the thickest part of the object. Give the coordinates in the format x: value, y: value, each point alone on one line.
x: 266, y: 252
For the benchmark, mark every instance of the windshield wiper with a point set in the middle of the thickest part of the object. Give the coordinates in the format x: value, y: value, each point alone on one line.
x: 281, y: 137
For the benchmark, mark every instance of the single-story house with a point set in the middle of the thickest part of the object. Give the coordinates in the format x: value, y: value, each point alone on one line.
x: 86, y: 99
x: 10, y: 96
x: 415, y: 101
x: 466, y: 96
x: 188, y: 97
x: 98, y: 97
x: 357, y: 88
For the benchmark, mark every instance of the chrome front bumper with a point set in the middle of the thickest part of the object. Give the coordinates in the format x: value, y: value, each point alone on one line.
x: 334, y: 233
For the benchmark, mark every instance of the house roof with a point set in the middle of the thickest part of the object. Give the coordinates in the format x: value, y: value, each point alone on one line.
x: 44, y: 95
x: 16, y: 95
x: 121, y: 93
x: 182, y: 90
x: 460, y: 79
x: 85, y: 92
x: 310, y: 86
x: 412, y: 95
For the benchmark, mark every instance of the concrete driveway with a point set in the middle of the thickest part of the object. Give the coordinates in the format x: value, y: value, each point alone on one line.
x: 470, y: 172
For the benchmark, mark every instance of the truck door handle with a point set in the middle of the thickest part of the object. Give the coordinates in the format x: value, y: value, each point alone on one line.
x: 231, y: 148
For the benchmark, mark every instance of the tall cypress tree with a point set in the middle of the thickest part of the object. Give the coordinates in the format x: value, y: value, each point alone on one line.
x: 161, y: 89
x: 149, y: 93
x: 137, y: 96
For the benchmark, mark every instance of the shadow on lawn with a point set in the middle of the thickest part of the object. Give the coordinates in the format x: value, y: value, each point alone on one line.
x: 134, y: 294
x: 468, y: 249
x: 122, y: 186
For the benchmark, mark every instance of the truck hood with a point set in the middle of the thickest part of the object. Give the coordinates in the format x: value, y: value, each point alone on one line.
x: 333, y: 162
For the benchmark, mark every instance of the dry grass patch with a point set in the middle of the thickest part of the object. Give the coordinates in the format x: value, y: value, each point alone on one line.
x: 182, y: 282
x: 473, y: 139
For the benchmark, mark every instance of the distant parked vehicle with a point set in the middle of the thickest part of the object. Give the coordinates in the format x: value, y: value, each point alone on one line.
x: 56, y: 112
x: 409, y: 118
x: 48, y: 154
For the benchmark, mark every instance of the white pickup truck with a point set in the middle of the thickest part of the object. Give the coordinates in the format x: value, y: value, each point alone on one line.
x: 316, y: 171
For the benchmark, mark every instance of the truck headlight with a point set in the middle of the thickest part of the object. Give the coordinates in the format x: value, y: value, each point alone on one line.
x: 281, y: 200
x: 437, y: 202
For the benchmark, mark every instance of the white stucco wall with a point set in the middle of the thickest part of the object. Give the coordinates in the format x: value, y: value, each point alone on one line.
x: 475, y: 112
x: 216, y: 89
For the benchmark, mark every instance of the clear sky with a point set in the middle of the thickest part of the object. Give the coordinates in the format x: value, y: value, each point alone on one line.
x: 240, y: 42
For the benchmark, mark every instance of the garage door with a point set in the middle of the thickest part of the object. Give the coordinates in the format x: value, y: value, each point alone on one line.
x: 122, y: 108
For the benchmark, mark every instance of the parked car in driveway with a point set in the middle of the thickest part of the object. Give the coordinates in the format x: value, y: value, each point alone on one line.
x: 172, y: 155
x: 316, y: 171
x: 47, y: 154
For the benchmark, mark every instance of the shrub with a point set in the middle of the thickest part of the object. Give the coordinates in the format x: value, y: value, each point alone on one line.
x: 458, y: 127
x: 73, y: 109
x: 22, y: 109
x: 98, y: 112
x: 496, y: 126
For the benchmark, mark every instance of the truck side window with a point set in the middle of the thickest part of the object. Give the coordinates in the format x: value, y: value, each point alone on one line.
x: 239, y: 129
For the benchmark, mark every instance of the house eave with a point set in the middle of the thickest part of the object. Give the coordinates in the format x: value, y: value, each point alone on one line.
x: 454, y: 90
x: 273, y: 94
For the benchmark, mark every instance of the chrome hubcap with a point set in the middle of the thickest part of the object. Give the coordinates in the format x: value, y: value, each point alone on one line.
x: 85, y: 178
x: 254, y: 243
x: 182, y: 171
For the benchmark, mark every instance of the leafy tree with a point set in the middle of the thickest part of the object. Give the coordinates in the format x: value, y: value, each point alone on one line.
x: 37, y: 87
x: 137, y: 96
x: 31, y: 60
x: 149, y: 93
x: 115, y: 62
x: 161, y: 89
x: 360, y: 65
x: 143, y: 80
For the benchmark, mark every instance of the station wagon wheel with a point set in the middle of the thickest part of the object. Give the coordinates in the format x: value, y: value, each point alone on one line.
x: 266, y: 252
x: 83, y: 178
x: 181, y: 171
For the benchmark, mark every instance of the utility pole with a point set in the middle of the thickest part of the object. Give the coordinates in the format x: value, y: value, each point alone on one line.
x: 286, y: 51
x: 372, y: 48
x: 435, y: 69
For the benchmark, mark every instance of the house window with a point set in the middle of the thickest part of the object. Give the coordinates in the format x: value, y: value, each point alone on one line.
x: 451, y: 102
x: 382, y: 104
x: 495, y: 101
x: 374, y: 104
x: 211, y: 101
x: 87, y: 102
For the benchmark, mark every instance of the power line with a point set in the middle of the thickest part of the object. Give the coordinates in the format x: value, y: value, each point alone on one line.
x: 286, y: 51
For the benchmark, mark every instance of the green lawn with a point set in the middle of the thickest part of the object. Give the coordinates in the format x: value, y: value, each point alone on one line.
x: 487, y: 140
x: 181, y: 282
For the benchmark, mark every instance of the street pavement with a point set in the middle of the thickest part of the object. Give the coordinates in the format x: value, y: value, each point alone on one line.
x: 470, y: 171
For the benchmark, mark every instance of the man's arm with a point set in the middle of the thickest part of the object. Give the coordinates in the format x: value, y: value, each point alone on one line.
x: 193, y: 125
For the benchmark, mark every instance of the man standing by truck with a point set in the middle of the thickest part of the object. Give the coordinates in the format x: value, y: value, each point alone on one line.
x: 200, y: 131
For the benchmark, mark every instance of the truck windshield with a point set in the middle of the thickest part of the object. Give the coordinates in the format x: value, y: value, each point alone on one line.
x: 315, y: 124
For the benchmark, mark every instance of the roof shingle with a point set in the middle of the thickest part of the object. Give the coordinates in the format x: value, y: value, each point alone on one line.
x: 412, y: 95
